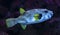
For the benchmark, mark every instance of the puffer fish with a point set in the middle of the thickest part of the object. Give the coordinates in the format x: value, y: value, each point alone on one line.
x: 32, y: 16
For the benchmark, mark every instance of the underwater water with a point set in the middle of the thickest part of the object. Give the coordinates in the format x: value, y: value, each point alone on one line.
x: 10, y: 9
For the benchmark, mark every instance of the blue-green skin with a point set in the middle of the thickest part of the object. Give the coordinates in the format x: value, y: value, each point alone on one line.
x: 28, y: 17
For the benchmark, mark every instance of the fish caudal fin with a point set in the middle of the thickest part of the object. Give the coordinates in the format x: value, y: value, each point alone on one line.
x: 10, y: 22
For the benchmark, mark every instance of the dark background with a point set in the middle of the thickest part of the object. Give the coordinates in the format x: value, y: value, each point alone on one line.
x: 10, y: 9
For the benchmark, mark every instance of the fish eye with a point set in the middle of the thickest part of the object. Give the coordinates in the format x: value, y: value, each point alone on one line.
x: 46, y: 11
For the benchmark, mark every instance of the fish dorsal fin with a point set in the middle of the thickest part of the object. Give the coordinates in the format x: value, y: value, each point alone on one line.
x: 21, y: 10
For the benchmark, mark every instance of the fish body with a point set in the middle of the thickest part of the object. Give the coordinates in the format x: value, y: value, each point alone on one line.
x: 31, y: 17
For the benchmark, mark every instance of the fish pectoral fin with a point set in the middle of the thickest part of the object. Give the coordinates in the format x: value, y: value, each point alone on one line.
x: 23, y: 26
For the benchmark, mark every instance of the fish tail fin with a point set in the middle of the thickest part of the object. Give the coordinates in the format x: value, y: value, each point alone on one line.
x: 10, y: 22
